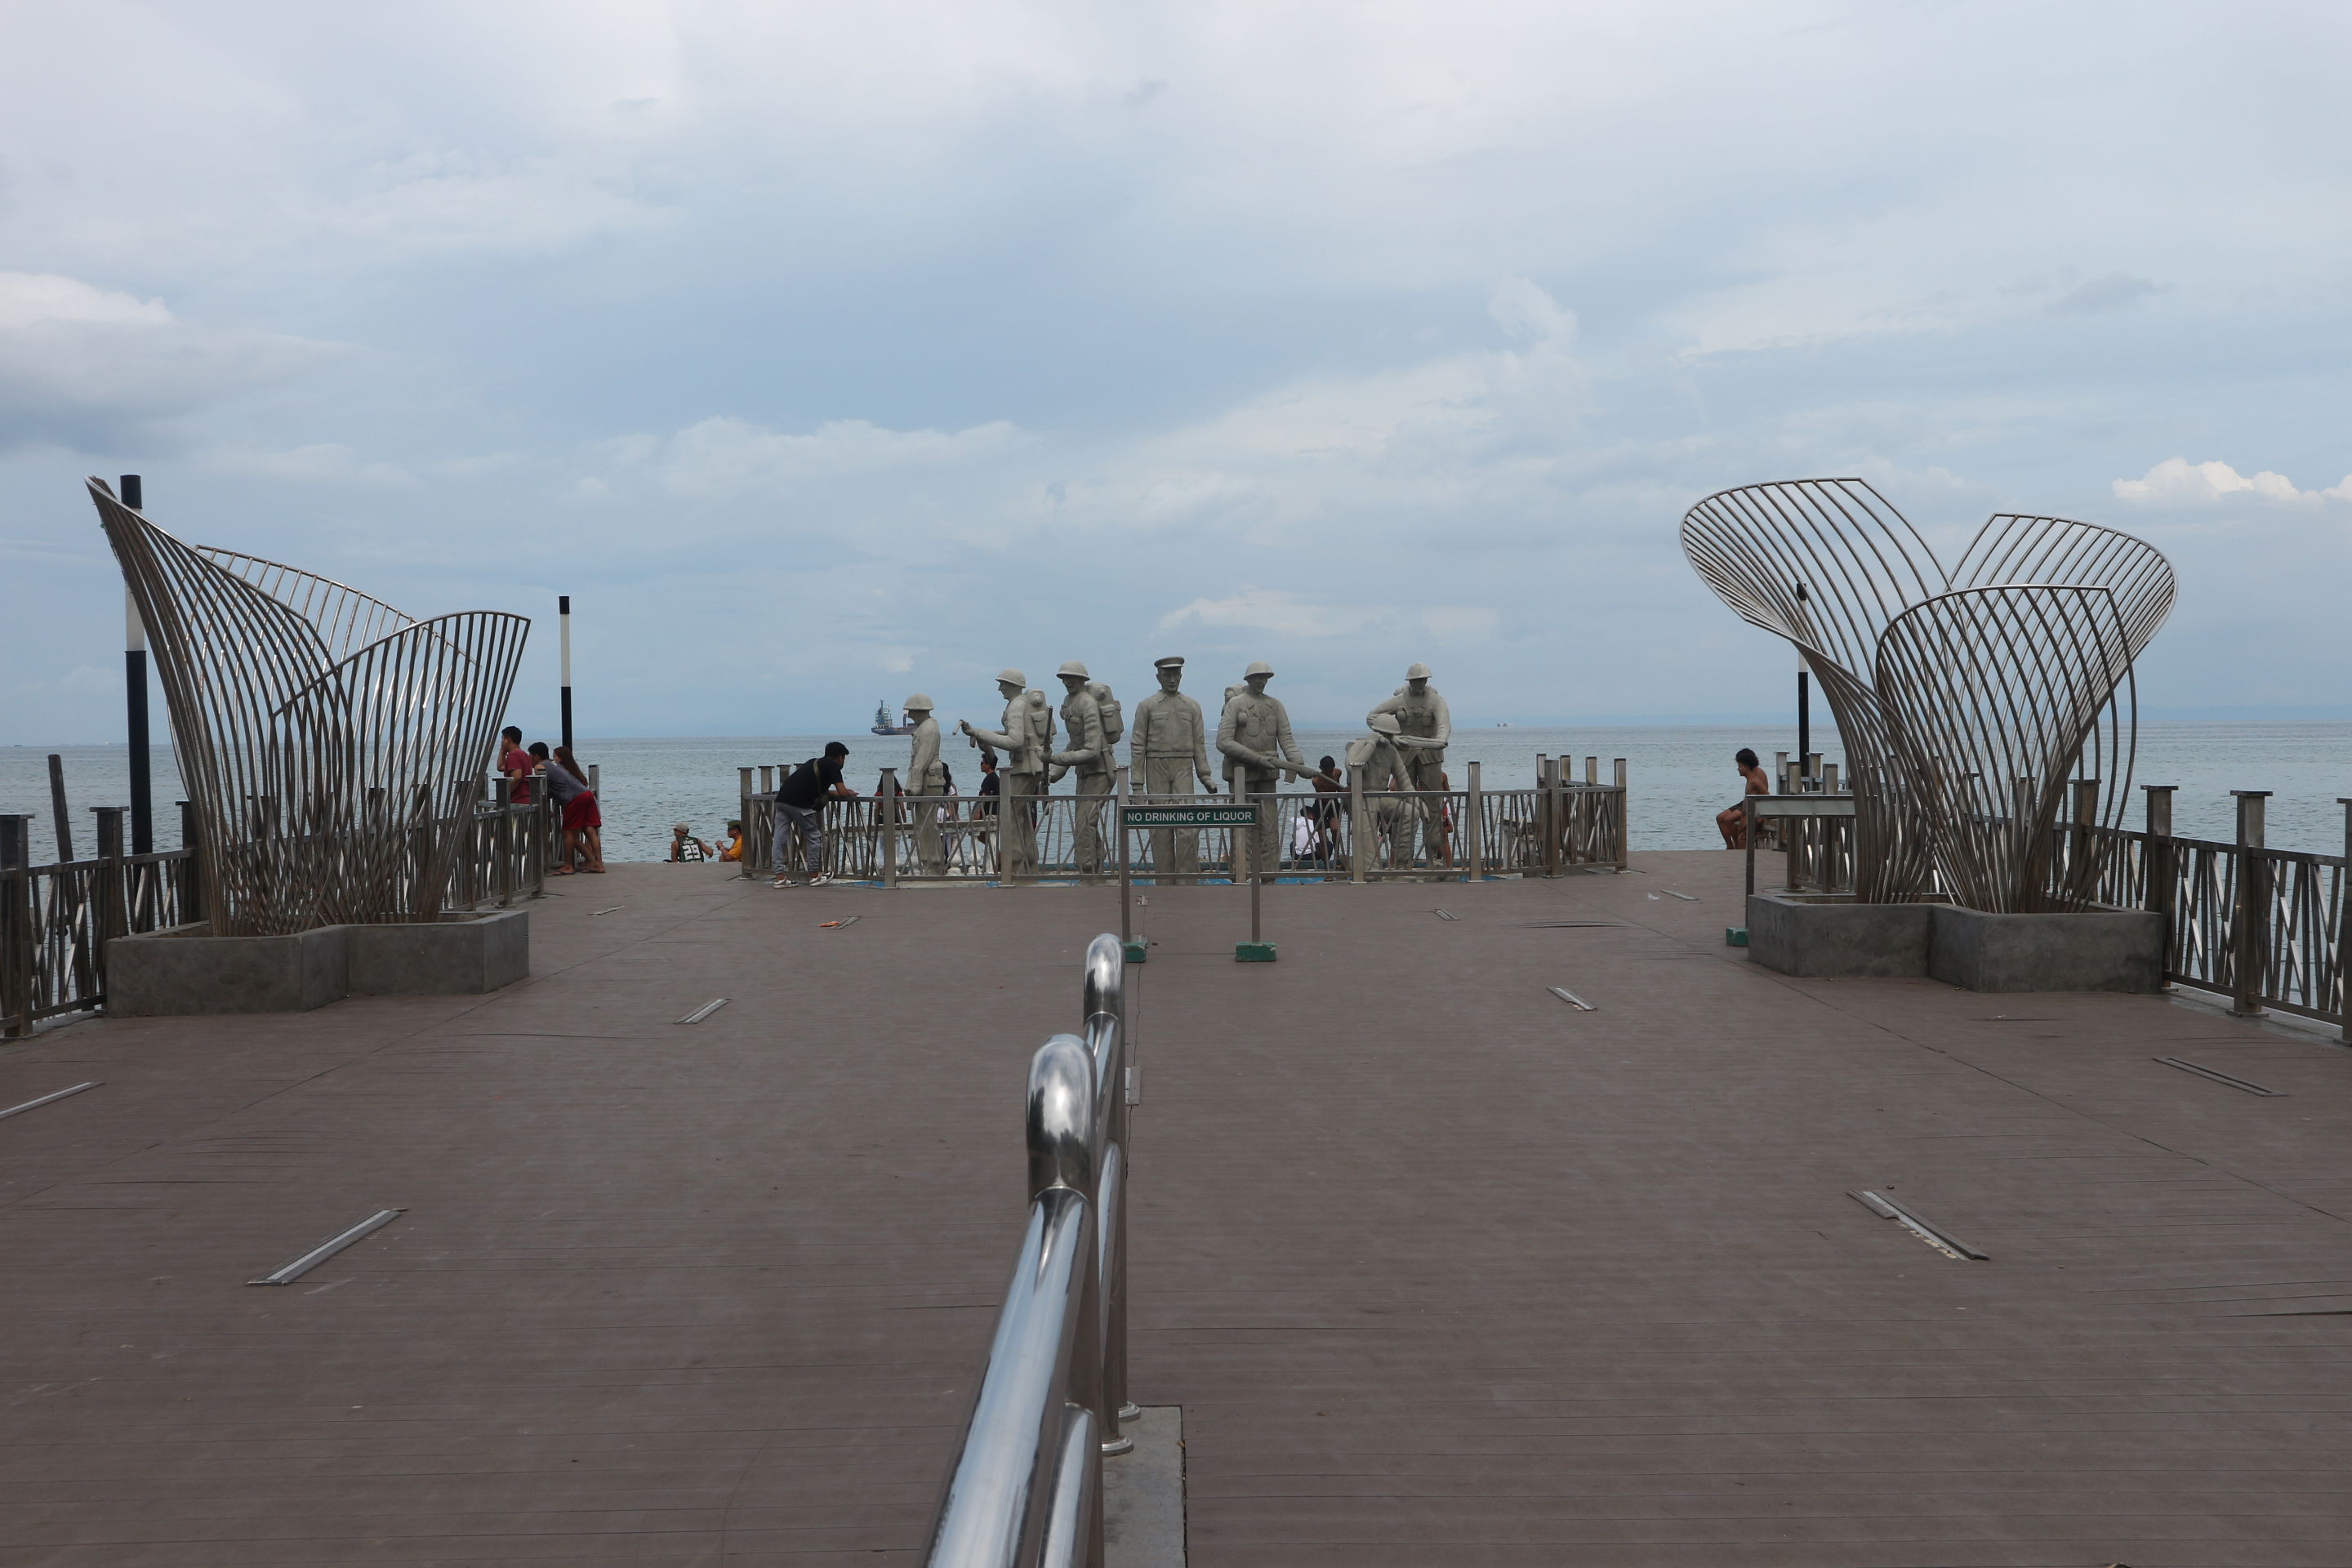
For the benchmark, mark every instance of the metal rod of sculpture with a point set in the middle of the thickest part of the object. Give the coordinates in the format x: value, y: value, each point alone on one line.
x: 1965, y: 697
x: 333, y: 747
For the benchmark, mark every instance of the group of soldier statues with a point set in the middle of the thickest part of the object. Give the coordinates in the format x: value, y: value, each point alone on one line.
x: 1403, y: 749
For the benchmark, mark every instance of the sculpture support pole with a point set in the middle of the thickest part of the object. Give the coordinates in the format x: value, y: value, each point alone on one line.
x: 134, y: 702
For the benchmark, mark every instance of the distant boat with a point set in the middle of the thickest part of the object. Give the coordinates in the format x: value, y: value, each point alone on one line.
x: 882, y: 725
x: 1502, y: 723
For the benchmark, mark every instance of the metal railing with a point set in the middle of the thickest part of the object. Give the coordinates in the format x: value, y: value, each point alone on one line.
x: 2265, y: 928
x: 1025, y: 1488
x: 56, y: 919
x: 1353, y: 835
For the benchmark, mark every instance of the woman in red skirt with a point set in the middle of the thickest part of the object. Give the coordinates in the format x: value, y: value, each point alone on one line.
x: 582, y: 821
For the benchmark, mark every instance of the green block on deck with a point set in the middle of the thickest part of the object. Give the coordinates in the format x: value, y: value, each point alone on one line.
x: 1253, y: 952
x: 1734, y: 936
x: 1138, y: 950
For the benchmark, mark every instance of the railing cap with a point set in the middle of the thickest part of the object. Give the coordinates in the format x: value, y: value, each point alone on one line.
x: 1061, y: 1117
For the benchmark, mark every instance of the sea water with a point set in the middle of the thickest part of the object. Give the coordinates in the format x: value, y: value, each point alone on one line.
x: 1680, y: 777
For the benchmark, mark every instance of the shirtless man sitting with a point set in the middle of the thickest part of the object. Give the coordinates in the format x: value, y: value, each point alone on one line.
x: 1734, y: 821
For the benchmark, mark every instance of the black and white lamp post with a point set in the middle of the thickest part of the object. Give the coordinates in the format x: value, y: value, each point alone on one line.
x: 134, y: 694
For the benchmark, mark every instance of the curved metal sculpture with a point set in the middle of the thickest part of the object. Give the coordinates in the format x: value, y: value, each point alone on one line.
x: 1996, y: 694
x: 1858, y: 564
x: 332, y: 747
x: 2014, y: 667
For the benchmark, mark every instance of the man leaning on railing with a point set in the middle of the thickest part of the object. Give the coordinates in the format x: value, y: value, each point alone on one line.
x: 798, y: 802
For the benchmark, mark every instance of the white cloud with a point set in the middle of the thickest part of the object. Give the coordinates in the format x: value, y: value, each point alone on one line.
x: 723, y: 457
x: 1275, y: 610
x: 81, y: 364
x: 2176, y: 482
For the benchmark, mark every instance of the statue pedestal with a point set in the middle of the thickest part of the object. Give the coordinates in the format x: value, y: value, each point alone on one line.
x: 186, y: 970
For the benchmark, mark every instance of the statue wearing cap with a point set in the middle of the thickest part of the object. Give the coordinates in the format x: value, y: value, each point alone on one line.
x: 1027, y: 736
x: 1089, y: 755
x: 927, y: 785
x: 1254, y: 735
x: 1424, y: 728
x: 1169, y: 749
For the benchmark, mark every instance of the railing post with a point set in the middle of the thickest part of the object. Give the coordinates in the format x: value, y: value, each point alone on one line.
x: 1624, y: 814
x: 1104, y: 1004
x: 1550, y: 804
x: 191, y: 885
x: 1474, y: 827
x: 1359, y: 841
x: 2158, y: 867
x: 502, y: 863
x: 1122, y: 783
x: 2250, y: 920
x: 886, y: 804
x: 744, y: 863
x: 16, y: 926
x: 2083, y: 848
x: 112, y: 916
x: 2344, y: 928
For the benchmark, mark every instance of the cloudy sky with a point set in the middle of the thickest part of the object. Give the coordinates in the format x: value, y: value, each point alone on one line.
x: 826, y: 352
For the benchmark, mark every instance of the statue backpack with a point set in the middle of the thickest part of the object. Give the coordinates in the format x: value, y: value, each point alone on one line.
x: 1114, y: 717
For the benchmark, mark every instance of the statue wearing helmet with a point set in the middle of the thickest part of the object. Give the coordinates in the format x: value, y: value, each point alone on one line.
x: 1424, y: 726
x: 1089, y: 755
x: 1254, y: 735
x: 1375, y: 766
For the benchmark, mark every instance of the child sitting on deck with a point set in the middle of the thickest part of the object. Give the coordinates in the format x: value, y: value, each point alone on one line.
x: 685, y: 846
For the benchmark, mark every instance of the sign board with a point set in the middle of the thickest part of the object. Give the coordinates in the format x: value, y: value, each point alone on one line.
x: 1133, y: 817
x: 1188, y: 815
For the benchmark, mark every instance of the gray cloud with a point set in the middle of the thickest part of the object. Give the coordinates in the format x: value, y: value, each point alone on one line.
x: 805, y: 347
x: 2111, y: 292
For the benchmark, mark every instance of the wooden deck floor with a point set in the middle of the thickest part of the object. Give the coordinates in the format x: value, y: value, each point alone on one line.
x: 1442, y: 1271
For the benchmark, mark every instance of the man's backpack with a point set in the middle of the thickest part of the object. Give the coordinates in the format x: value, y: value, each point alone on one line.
x: 1114, y: 717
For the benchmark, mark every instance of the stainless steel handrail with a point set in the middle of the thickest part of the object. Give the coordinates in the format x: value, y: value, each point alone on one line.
x: 1025, y: 1490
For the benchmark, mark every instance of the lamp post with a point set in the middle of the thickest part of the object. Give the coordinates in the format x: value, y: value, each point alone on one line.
x: 1804, y: 695
x: 134, y: 697
x: 564, y: 618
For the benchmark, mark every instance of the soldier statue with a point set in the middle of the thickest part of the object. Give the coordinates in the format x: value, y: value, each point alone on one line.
x: 1424, y: 726
x: 1254, y: 734
x: 1027, y: 734
x: 1376, y: 765
x: 926, y: 783
x: 1090, y: 756
x: 1168, y: 750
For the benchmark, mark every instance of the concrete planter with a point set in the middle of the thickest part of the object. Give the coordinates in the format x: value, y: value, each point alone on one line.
x: 1832, y: 935
x: 186, y: 970
x: 2118, y: 950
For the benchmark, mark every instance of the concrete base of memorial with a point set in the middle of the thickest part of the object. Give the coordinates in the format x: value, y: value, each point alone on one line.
x: 1829, y: 934
x: 185, y: 971
x: 1832, y: 935
x: 2117, y: 950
